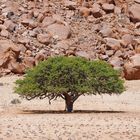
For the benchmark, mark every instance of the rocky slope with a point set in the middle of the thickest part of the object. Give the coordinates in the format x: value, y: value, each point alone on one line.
x: 33, y: 30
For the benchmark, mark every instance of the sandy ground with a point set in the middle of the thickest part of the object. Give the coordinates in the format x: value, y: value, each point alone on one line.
x: 95, y: 117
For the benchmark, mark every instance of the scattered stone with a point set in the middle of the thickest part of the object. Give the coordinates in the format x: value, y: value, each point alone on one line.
x: 44, y: 38
x: 85, y: 12
x: 96, y: 11
x: 108, y: 7
x: 106, y: 31
x: 82, y: 54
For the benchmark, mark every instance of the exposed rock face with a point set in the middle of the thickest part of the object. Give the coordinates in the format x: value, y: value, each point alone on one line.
x: 132, y: 68
x: 31, y: 31
x: 134, y: 12
x: 9, y: 58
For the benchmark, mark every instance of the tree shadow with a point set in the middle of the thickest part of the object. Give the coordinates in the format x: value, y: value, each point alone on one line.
x: 64, y: 112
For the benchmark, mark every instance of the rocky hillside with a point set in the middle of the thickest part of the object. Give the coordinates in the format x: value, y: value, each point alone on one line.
x: 33, y: 30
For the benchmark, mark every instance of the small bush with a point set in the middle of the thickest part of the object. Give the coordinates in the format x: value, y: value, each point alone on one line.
x: 69, y: 78
x: 15, y: 101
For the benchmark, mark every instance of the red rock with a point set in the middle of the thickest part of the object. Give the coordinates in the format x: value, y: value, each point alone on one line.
x: 4, y: 33
x: 28, y: 53
x: 132, y: 68
x: 134, y: 13
x: 16, y: 67
x: 44, y: 38
x: 106, y: 31
x: 116, y: 62
x: 109, y: 52
x: 96, y: 10
x: 4, y: 59
x: 62, y: 45
x: 2, y: 27
x: 48, y: 21
x: 40, y: 17
x: 70, y: 4
x: 135, y: 60
x: 137, y: 49
x: 126, y: 39
x: 23, y: 40
x: 108, y: 7
x: 82, y: 54
x: 39, y: 57
x: 29, y: 62
x: 84, y: 11
x: 137, y: 1
x: 6, y: 45
x: 58, y: 18
x: 8, y: 52
x: 118, y: 53
x: 113, y: 43
x: 59, y: 30
x: 117, y: 10
x: 137, y: 25
x: 10, y: 26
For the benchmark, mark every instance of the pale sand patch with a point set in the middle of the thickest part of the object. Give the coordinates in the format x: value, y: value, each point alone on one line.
x: 96, y: 117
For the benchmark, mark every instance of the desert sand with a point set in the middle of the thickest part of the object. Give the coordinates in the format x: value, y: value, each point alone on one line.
x: 95, y: 117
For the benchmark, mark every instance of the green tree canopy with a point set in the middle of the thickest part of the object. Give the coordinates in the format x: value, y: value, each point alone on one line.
x: 69, y: 78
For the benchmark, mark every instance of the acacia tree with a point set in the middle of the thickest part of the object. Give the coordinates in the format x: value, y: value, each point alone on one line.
x: 69, y: 78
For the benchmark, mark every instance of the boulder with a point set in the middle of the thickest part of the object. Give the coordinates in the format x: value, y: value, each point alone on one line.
x: 96, y: 10
x: 82, y: 54
x: 70, y: 4
x: 126, y: 39
x: 39, y: 57
x: 134, y: 13
x: 59, y: 30
x: 108, y: 7
x: 6, y: 45
x: 116, y: 62
x: 29, y: 62
x: 132, y: 68
x: 48, y: 21
x: 4, y: 33
x: 16, y: 67
x: 44, y: 38
x: 84, y: 11
x: 10, y: 26
x: 106, y: 31
x: 9, y: 53
x: 137, y: 1
x: 113, y: 43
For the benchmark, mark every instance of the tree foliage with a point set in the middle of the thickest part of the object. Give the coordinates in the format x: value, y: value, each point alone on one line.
x: 69, y: 78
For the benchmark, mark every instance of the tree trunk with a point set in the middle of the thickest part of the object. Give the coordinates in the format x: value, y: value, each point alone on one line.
x: 69, y: 106
x: 69, y: 103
